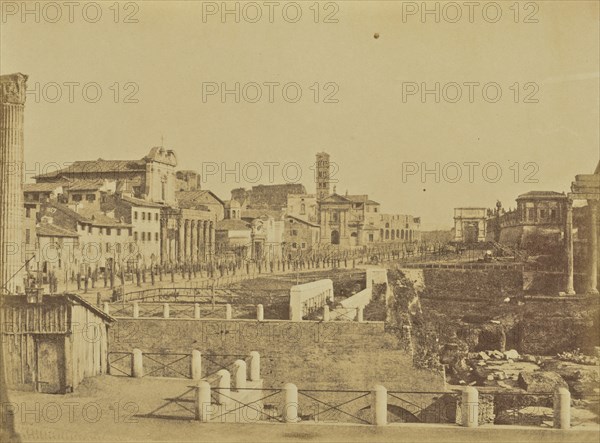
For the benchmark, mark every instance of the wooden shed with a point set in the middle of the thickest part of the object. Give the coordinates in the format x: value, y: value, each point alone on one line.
x: 52, y: 342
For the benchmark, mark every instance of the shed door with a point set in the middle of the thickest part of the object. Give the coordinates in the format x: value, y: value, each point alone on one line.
x: 50, y: 364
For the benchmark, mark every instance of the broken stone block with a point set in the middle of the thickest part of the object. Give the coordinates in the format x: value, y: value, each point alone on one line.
x: 497, y: 355
x: 490, y: 377
x: 481, y: 363
x: 484, y: 356
x: 581, y: 379
x: 511, y: 354
x: 541, y: 381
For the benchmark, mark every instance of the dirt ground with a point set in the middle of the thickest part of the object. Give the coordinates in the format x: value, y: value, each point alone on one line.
x: 116, y: 409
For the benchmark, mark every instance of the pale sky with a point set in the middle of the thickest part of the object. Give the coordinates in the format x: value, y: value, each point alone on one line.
x: 171, y: 54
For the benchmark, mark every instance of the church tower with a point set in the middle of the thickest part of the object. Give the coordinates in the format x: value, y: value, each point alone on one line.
x: 322, y: 175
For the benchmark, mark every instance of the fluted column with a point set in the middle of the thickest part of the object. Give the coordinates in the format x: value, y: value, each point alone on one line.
x: 199, y: 234
x: 181, y: 242
x: 205, y: 239
x: 12, y: 107
x: 193, y: 240
x: 212, y: 238
x: 186, y: 237
x: 594, y: 247
x: 570, y: 290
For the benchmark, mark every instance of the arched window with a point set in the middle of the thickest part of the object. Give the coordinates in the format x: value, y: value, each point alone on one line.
x: 387, y: 225
x: 381, y: 234
x: 302, y: 208
x: 393, y: 234
x: 397, y: 233
x: 387, y: 234
x: 402, y: 234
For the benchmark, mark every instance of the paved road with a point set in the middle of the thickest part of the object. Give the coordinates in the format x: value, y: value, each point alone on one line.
x: 107, y: 409
x: 165, y: 430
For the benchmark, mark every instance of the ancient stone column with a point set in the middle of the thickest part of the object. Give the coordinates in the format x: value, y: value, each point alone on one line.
x: 181, y: 242
x: 570, y: 290
x: 164, y: 239
x: 12, y: 107
x: 212, y: 239
x: 593, y: 247
x: 205, y: 240
x: 193, y: 241
x: 198, y: 235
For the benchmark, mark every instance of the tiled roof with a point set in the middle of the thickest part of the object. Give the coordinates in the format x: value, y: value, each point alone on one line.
x: 85, y: 185
x: 42, y: 187
x: 97, y: 166
x: 189, y: 198
x: 99, y: 219
x: 139, y: 202
x: 50, y: 230
x: 88, y: 215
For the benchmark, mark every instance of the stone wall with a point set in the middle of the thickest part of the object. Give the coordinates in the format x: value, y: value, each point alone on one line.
x: 490, y: 283
x: 315, y: 355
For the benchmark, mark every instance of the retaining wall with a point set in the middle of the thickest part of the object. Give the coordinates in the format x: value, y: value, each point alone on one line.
x: 332, y: 355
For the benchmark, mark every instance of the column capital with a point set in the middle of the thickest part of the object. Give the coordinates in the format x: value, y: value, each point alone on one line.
x: 13, y: 88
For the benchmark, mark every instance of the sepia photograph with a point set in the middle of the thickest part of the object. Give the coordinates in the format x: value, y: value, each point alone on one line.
x: 300, y: 221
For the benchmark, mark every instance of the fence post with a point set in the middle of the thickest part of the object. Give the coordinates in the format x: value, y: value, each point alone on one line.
x: 136, y: 309
x: 224, y: 386
x: 360, y: 314
x: 562, y: 408
x: 202, y: 406
x: 290, y: 407
x: 166, y: 311
x: 254, y: 366
x: 470, y: 407
x: 326, y: 316
x: 379, y: 405
x: 137, y: 364
x: 106, y: 308
x: 239, y: 374
x: 197, y: 311
x: 228, y: 313
x: 260, y: 313
x: 196, y: 368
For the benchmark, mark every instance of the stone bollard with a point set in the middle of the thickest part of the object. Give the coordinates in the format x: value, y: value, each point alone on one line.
x: 197, y: 311
x: 166, y: 311
x: 254, y: 366
x: 470, y: 407
x: 224, y: 387
x: 562, y: 408
x: 137, y: 364
x: 290, y: 406
x: 326, y: 316
x: 239, y: 374
x: 136, y: 309
x: 379, y: 405
x: 360, y: 313
x: 106, y: 308
x: 228, y: 313
x: 260, y: 313
x: 196, y: 368
x: 203, y: 406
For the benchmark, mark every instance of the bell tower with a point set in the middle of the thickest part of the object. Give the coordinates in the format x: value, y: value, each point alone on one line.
x: 322, y: 175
